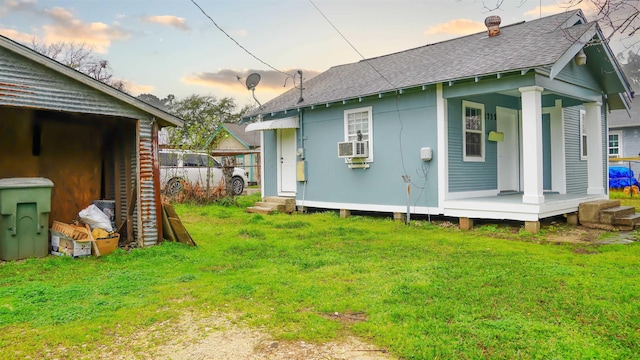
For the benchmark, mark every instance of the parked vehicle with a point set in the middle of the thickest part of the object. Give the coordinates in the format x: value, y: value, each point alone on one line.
x: 178, y: 167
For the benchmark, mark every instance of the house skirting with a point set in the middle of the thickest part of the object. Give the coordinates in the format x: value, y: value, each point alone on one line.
x: 502, y: 207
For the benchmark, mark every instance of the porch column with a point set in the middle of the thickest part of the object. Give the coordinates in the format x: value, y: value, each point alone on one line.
x: 532, y: 144
x: 595, y: 169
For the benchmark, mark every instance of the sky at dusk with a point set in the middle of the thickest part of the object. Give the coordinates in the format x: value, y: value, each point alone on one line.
x: 170, y: 47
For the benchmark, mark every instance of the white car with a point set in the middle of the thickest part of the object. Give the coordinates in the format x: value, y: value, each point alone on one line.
x: 178, y: 167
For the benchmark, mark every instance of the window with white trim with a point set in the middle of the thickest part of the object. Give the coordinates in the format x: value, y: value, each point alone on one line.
x: 615, y: 144
x: 358, y: 125
x: 583, y: 136
x: 473, y: 141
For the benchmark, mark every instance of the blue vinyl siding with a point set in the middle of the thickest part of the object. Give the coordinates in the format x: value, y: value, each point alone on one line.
x: 579, y: 75
x: 630, y: 148
x: 400, y: 128
x: 576, y: 169
x: 474, y: 176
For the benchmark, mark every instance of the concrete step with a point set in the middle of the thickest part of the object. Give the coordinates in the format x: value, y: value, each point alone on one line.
x: 260, y: 210
x: 589, y: 212
x: 271, y: 205
x: 608, y: 215
x: 632, y: 220
x: 289, y: 203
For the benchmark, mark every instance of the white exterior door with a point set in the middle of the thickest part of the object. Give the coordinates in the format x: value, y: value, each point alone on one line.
x: 287, y: 162
x: 508, y: 150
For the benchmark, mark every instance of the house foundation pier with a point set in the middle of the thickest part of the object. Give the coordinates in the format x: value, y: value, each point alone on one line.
x: 532, y: 226
x: 466, y: 223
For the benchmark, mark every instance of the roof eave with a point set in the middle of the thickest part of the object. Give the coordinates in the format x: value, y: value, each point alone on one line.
x: 167, y: 119
x: 381, y: 94
x: 571, y: 52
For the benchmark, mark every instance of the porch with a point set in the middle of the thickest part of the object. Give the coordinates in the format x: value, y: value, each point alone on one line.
x: 512, y: 207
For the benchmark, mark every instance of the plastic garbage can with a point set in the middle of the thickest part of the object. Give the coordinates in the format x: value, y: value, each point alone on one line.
x: 25, y: 204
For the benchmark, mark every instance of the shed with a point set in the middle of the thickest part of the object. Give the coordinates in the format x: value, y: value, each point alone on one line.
x: 93, y: 141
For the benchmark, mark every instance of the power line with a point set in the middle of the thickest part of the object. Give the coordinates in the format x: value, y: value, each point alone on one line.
x: 352, y: 46
x: 396, y: 98
x: 237, y: 43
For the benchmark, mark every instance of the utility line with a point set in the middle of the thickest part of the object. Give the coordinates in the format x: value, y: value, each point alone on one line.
x: 237, y: 43
x: 352, y: 46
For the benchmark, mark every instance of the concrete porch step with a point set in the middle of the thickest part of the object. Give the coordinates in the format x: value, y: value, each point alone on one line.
x: 632, y: 220
x: 271, y: 204
x: 589, y: 212
x: 289, y: 203
x: 607, y: 216
x: 260, y: 210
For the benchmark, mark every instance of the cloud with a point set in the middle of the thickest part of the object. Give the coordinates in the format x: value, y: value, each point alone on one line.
x: 136, y: 89
x: 63, y: 26
x: 17, y: 36
x: 587, y: 7
x: 240, y: 33
x: 271, y: 80
x: 168, y: 20
x: 456, y: 27
x: 66, y: 27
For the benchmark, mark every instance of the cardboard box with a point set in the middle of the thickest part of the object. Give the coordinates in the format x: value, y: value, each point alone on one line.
x: 62, y: 245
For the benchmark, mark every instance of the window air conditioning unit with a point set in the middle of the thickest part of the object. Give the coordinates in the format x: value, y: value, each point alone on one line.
x: 353, y: 149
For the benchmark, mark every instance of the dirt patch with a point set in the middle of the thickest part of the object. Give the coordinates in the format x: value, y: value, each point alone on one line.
x: 217, y: 338
x: 575, y: 235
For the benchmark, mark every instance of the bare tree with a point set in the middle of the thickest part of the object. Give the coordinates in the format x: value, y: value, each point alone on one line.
x: 79, y: 56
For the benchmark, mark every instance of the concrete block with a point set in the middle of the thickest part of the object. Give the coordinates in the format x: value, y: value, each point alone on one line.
x: 532, y: 226
x: 399, y: 216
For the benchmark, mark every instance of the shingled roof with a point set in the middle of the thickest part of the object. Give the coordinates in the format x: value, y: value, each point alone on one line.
x: 521, y: 46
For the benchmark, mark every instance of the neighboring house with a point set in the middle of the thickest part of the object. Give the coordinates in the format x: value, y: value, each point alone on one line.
x: 93, y: 141
x: 624, y: 138
x: 499, y: 117
x: 244, y: 145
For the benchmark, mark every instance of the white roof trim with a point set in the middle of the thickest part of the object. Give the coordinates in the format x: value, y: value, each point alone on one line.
x: 286, y: 123
x: 571, y: 52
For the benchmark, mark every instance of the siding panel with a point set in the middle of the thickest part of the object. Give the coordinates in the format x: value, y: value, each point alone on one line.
x: 576, y: 169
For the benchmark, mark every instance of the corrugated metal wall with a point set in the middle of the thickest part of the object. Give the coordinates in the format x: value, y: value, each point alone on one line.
x: 147, y: 228
x: 25, y: 83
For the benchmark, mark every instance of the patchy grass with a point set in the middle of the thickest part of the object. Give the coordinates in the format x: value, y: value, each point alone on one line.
x: 421, y: 291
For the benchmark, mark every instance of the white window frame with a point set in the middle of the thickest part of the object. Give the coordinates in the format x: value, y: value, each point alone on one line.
x: 583, y: 136
x: 481, y: 158
x: 620, y: 148
x: 350, y: 137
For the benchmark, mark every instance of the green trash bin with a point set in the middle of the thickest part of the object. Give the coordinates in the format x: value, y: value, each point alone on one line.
x: 25, y: 204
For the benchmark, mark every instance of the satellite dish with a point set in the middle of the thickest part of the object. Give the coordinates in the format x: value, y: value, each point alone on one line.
x: 252, y: 81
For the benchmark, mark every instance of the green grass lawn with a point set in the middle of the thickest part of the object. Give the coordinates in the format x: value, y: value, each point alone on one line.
x: 421, y: 291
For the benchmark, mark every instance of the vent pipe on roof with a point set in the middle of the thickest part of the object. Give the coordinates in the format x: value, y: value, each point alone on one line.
x: 493, y: 25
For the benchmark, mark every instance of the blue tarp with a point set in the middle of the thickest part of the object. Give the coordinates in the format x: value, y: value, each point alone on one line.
x: 620, y: 177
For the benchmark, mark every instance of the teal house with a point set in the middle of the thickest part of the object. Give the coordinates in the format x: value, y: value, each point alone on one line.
x: 510, y: 123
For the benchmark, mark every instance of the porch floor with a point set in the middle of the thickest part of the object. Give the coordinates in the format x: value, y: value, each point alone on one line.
x: 511, y: 207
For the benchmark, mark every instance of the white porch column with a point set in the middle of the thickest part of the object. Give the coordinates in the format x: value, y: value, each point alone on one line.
x: 532, y: 144
x: 593, y: 123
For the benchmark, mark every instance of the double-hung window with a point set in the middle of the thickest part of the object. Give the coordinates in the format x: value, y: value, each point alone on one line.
x: 473, y: 141
x: 358, y: 126
x: 583, y: 136
x: 615, y: 144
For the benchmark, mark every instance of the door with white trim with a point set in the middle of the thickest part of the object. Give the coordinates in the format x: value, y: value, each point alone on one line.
x: 509, y: 152
x: 287, y: 162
